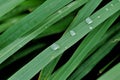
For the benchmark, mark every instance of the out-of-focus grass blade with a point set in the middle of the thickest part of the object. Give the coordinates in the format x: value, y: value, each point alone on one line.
x: 46, y: 72
x: 8, y: 6
x: 57, y: 27
x: 81, y: 16
x: 20, y: 55
x: 112, y: 74
x: 33, y: 19
x: 107, y: 65
x: 86, y: 66
x: 9, y: 22
x: 40, y: 61
x: 82, y: 51
x: 26, y: 5
x: 20, y: 42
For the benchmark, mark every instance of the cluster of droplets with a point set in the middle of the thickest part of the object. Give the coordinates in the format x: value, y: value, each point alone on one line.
x: 72, y: 32
x: 89, y: 21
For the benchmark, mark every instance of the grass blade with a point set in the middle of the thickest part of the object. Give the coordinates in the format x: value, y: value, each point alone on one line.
x: 8, y: 6
x: 84, y: 13
x: 35, y: 18
x: 86, y: 66
x: 82, y: 51
x: 26, y: 5
x: 109, y: 75
x: 81, y: 17
x: 40, y: 61
x: 46, y: 72
x: 20, y: 42
x: 20, y: 55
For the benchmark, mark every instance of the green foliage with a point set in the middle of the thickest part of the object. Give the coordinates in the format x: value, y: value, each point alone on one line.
x: 44, y: 32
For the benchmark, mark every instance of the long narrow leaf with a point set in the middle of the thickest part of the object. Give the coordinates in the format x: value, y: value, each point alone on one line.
x: 20, y: 42
x: 8, y: 6
x: 82, y: 51
x: 65, y: 42
x: 32, y: 20
x: 109, y: 75
x: 81, y: 17
x: 89, y: 64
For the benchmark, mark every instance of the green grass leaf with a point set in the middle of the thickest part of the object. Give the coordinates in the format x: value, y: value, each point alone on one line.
x: 90, y: 63
x: 20, y: 42
x: 6, y: 6
x: 32, y: 20
x: 40, y: 61
x: 80, y: 16
x: 112, y: 74
x: 83, y: 50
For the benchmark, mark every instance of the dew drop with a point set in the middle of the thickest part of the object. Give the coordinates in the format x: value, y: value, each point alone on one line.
x: 119, y: 0
x: 55, y: 46
x: 88, y: 20
x: 90, y: 28
x: 111, y: 5
x: 72, y: 33
x: 98, y: 16
x: 106, y: 9
x: 59, y: 11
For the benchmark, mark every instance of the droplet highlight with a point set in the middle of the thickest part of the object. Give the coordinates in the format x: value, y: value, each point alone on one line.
x: 90, y: 28
x: 55, y: 46
x: 98, y: 16
x: 72, y: 33
x: 106, y: 9
x: 60, y: 11
x: 89, y: 20
x: 111, y: 5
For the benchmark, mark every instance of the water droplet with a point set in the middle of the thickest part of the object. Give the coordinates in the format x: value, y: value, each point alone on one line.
x: 55, y: 46
x: 111, y: 5
x: 106, y: 9
x: 90, y: 28
x: 88, y: 20
x: 98, y: 16
x: 72, y: 33
x: 60, y: 11
x: 119, y: 0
